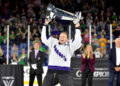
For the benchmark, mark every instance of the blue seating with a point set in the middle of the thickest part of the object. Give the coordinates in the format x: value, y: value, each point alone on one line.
x: 107, y: 37
x: 98, y: 36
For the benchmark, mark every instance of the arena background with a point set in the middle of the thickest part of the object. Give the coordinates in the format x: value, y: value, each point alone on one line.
x: 21, y: 23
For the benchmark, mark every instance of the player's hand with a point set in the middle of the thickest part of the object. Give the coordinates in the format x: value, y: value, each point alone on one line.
x: 47, y: 21
x: 77, y: 25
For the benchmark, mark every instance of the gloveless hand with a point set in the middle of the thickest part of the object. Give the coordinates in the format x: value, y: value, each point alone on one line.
x: 77, y: 25
x: 83, y: 56
x: 47, y: 21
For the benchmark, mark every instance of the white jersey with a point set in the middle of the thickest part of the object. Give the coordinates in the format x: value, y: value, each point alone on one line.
x: 60, y: 54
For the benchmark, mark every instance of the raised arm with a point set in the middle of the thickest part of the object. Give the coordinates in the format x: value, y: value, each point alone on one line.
x: 76, y: 42
x: 45, y: 40
x: 44, y: 36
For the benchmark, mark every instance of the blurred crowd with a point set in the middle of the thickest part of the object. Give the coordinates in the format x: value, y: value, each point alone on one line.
x: 18, y: 14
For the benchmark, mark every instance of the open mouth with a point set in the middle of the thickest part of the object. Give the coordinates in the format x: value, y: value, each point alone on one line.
x: 62, y: 40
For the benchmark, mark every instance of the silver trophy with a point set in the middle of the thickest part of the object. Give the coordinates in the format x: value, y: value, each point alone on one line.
x: 53, y: 12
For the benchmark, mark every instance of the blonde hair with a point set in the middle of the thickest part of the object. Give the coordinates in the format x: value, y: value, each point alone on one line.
x: 117, y: 39
x: 86, y: 52
x: 1, y: 52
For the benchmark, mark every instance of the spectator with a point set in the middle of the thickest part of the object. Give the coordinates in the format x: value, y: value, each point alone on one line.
x: 100, y: 26
x: 95, y: 42
x: 114, y: 25
x: 41, y: 48
x: 19, y: 23
x: 116, y: 33
x: 23, y: 58
x: 12, y: 37
x: 97, y: 53
x: 31, y: 39
x: 89, y: 19
x: 103, y: 32
x: 42, y: 14
x: 37, y: 39
x: 1, y: 38
x: 87, y: 68
x: 23, y: 42
x: 19, y: 35
x: 94, y: 32
x: 2, y: 61
x: 114, y: 16
x: 15, y: 10
x: 60, y: 28
x: 24, y: 29
x: 35, y: 34
x: 39, y: 30
x: 30, y: 12
x: 118, y: 20
x: 102, y: 42
x: 82, y: 49
x: 14, y: 59
x: 86, y: 37
x: 55, y: 29
x: 31, y: 48
x: 83, y: 25
x: 5, y: 38
x: 3, y: 21
x: 14, y: 50
x: 23, y: 16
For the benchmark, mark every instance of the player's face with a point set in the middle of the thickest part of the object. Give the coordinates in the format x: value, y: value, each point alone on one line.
x: 36, y: 46
x: 63, y: 38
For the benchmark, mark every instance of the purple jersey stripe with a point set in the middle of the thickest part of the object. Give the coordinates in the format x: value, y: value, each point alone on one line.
x: 59, y: 68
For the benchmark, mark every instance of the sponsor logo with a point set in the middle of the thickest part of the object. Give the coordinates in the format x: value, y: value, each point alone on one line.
x: 99, y: 73
x: 78, y: 73
x: 8, y: 80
